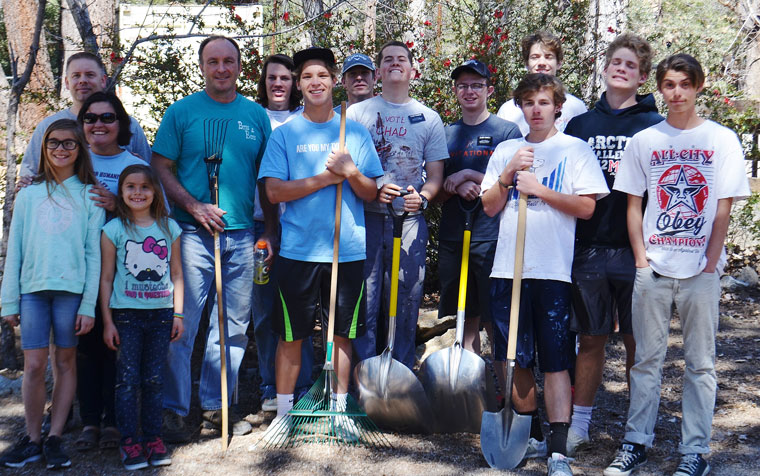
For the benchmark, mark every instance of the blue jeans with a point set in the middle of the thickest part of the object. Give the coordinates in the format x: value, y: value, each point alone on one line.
x: 45, y: 310
x: 377, y: 273
x: 266, y: 338
x: 144, y: 336
x: 237, y: 278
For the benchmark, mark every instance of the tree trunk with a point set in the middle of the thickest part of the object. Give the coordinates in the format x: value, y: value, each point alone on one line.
x: 370, y: 9
x: 20, y: 32
x: 312, y: 8
x: 747, y: 12
x: 607, y: 20
x: 18, y: 84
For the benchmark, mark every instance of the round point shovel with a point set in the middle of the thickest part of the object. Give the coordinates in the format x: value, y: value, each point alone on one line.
x: 389, y: 392
x: 455, y: 378
x: 504, y: 435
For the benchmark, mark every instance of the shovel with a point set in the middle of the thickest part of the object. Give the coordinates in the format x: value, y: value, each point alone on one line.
x: 455, y: 378
x: 504, y: 435
x: 388, y: 391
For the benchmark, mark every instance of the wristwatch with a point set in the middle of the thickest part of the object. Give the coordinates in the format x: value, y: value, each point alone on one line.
x: 424, y: 202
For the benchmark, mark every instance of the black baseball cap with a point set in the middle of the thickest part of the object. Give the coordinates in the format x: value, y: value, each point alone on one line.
x: 314, y: 52
x: 471, y: 65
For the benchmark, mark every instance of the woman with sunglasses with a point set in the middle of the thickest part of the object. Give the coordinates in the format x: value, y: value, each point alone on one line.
x: 106, y: 128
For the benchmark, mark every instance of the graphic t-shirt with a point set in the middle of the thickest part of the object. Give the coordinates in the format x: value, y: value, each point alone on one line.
x: 107, y: 168
x: 406, y: 137
x: 197, y: 127
x: 573, y: 107
x: 142, y: 279
x: 684, y: 173
x: 470, y: 147
x: 299, y: 150
x: 564, y: 164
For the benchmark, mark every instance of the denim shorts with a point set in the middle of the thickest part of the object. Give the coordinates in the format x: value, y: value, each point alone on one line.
x: 544, y: 323
x: 44, y: 311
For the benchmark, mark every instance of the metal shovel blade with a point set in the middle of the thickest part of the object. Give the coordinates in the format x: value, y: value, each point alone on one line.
x: 457, y: 389
x: 504, y: 438
x: 391, y: 395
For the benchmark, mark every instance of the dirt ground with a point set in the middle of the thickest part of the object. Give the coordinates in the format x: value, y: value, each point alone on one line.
x: 735, y: 444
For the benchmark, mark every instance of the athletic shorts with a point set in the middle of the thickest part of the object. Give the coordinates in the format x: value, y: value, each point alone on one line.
x: 478, y: 280
x: 544, y: 323
x: 303, y: 289
x: 602, y: 289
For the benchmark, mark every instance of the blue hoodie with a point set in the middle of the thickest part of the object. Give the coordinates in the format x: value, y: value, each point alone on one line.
x: 607, y: 132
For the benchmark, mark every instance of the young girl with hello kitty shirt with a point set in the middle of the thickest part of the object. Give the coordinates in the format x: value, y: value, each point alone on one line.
x: 141, y: 291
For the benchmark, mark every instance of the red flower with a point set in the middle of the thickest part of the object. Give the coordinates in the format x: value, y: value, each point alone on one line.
x: 726, y: 100
x: 427, y: 23
x: 497, y: 31
x: 420, y: 60
x: 237, y: 18
x: 409, y: 44
x: 286, y: 16
x: 447, y: 63
x: 113, y: 55
x: 417, y: 75
x: 504, y: 36
x: 716, y: 91
x: 492, y: 69
x: 498, y: 14
x: 610, y: 29
x: 327, y: 15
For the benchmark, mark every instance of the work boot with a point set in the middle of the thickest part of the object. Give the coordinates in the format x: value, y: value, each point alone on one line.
x: 174, y: 428
x: 238, y: 426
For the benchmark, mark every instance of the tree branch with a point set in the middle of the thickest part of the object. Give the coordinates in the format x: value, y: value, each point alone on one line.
x: 81, y: 16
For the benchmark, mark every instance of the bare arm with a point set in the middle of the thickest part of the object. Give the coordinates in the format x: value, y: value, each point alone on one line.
x: 206, y: 214
x: 495, y: 197
x: 579, y: 206
x: 279, y: 190
x: 718, y: 234
x: 107, y: 270
x: 175, y: 267
x: 341, y: 163
x: 271, y: 223
x: 635, y: 220
x: 460, y: 183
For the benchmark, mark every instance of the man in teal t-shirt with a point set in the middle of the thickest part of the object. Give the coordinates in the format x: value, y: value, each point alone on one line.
x: 218, y: 121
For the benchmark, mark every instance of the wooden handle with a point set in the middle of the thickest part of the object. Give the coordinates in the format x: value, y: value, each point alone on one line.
x: 336, y: 241
x: 514, y: 311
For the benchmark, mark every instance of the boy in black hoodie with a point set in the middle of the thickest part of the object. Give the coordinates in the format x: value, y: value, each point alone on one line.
x: 603, y: 266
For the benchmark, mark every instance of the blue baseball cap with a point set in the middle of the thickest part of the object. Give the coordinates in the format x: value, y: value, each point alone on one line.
x: 472, y: 65
x: 358, y: 59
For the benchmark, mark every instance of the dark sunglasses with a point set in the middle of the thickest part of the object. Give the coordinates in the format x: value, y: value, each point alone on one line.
x: 68, y: 144
x: 105, y: 118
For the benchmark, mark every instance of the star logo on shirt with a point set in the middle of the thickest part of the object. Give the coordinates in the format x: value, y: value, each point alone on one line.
x: 682, y: 192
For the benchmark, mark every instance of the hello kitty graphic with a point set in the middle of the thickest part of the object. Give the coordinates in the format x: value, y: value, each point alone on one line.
x: 147, y: 261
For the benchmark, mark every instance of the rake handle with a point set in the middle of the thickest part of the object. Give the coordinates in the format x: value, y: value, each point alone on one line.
x: 220, y: 315
x: 336, y: 243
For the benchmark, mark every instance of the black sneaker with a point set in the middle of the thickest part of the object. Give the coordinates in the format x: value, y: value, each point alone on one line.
x: 629, y: 457
x: 239, y: 427
x: 157, y: 453
x: 54, y: 455
x: 25, y: 451
x: 132, y: 456
x: 692, y: 465
x: 174, y: 428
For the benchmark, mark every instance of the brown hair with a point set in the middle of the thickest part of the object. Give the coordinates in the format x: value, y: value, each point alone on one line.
x: 88, y: 56
x: 682, y: 63
x: 125, y: 131
x: 635, y: 43
x: 261, y: 90
x: 157, y: 208
x: 332, y: 68
x: 546, y: 39
x: 216, y: 37
x: 535, y: 82
x: 379, y: 58
x: 82, y: 164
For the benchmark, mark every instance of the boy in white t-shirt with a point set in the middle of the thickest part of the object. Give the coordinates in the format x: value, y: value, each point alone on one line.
x: 691, y: 169
x: 542, y: 53
x: 563, y: 184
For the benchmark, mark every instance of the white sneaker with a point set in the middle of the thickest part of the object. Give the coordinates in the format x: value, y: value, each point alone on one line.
x: 576, y: 442
x: 278, y: 430
x: 269, y: 405
x: 559, y: 465
x: 346, y: 429
x: 536, y: 449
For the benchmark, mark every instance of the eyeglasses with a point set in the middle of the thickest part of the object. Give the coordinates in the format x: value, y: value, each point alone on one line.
x: 477, y: 87
x: 68, y: 144
x: 105, y: 118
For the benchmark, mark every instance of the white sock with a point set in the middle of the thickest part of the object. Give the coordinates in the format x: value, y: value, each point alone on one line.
x: 581, y: 419
x: 342, y: 400
x: 284, y: 403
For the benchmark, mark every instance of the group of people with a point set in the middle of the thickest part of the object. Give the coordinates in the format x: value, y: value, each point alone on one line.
x: 95, y: 227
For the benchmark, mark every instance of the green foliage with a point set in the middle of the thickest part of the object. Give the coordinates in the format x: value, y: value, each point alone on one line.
x: 745, y: 226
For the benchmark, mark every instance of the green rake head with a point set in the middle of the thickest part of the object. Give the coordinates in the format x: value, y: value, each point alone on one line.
x: 316, y: 418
